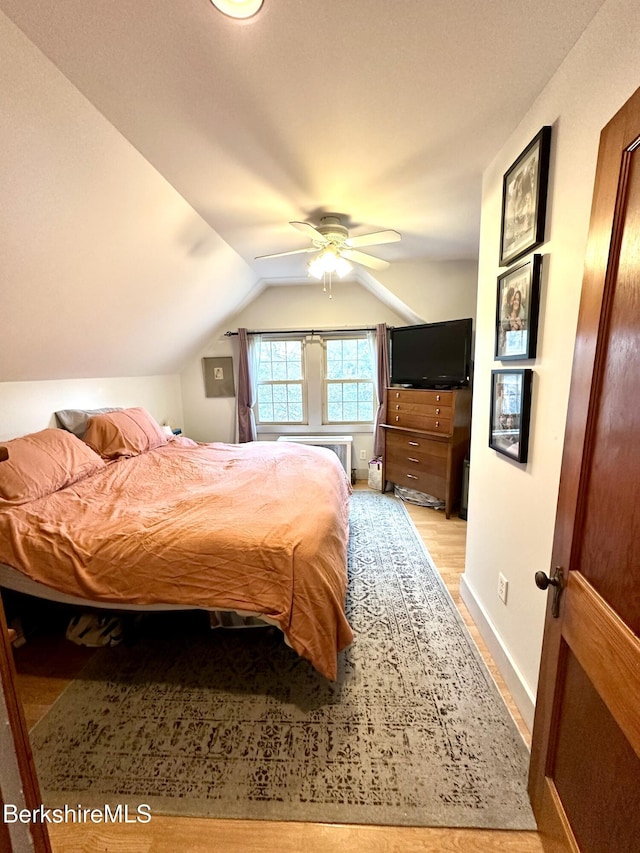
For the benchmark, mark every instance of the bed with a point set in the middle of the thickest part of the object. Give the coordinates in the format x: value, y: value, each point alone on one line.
x: 131, y: 518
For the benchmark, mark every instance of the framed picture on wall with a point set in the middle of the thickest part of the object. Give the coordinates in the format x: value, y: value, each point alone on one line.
x: 517, y: 307
x: 510, y: 412
x: 218, y: 377
x: 524, y: 199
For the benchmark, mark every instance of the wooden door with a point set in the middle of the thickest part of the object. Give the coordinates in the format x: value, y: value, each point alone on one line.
x: 18, y: 738
x: 585, y: 763
x: 22, y: 788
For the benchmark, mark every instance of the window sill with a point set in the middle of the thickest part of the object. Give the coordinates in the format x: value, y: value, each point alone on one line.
x: 309, y: 429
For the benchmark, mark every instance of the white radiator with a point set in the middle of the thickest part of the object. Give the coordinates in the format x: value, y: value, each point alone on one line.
x: 340, y: 444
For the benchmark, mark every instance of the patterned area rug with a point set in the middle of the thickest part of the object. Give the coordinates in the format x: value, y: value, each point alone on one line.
x: 233, y: 724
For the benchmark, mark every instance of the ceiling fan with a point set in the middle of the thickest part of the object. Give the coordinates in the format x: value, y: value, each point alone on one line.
x: 331, y: 239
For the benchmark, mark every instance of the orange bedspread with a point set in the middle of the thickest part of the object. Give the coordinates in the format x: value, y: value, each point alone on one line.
x: 261, y: 527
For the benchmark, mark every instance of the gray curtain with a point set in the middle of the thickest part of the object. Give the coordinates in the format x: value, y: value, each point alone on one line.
x: 246, y: 390
x: 383, y: 377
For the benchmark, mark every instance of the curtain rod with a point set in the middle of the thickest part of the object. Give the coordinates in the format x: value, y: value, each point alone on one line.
x: 301, y: 331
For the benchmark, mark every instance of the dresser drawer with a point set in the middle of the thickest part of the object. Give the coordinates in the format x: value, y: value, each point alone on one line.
x: 419, y: 462
x: 421, y: 481
x: 411, y: 454
x: 412, y: 444
x: 419, y: 396
x: 428, y: 423
x: 395, y: 407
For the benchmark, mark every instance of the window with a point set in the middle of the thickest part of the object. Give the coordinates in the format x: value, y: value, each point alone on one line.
x: 348, y: 381
x: 281, y: 382
x: 317, y: 381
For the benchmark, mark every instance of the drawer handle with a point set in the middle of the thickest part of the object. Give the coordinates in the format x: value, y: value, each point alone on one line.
x: 397, y: 408
x: 397, y: 418
x: 438, y: 397
x: 412, y: 477
x: 397, y: 395
x: 437, y: 411
x: 437, y: 424
x: 412, y: 459
x: 414, y: 444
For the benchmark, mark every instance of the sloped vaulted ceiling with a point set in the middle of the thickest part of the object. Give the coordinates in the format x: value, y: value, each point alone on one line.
x: 152, y: 150
x: 106, y: 270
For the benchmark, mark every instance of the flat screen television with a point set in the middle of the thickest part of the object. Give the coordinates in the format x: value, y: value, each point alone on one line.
x: 432, y: 355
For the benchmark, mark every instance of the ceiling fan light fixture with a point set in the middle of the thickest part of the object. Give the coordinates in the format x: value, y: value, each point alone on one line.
x: 238, y: 8
x: 329, y: 261
x: 343, y: 267
x: 316, y: 269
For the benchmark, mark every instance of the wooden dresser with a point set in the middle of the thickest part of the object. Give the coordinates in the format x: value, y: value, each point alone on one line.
x: 426, y: 441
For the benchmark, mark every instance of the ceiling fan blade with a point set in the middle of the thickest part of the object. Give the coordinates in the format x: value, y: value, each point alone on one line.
x: 373, y: 239
x: 308, y: 229
x: 282, y: 254
x: 365, y: 260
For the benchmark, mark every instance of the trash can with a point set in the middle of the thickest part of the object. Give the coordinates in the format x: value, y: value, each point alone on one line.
x: 375, y: 474
x: 464, y: 493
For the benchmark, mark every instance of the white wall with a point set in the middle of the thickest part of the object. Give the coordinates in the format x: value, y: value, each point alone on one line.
x: 29, y: 406
x: 436, y: 290
x: 512, y: 507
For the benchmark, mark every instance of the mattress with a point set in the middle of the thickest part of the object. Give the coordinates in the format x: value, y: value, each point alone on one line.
x: 259, y: 528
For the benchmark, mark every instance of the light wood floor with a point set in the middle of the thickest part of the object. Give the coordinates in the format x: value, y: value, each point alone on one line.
x: 41, y: 681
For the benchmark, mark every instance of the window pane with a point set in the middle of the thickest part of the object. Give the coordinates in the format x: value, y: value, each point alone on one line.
x: 365, y: 367
x: 348, y: 358
x: 350, y: 411
x: 279, y: 350
x: 364, y: 349
x: 334, y: 350
x: 349, y: 391
x: 365, y: 411
x: 294, y: 350
x: 280, y: 412
x: 265, y: 351
x: 294, y: 370
x: 264, y: 371
x: 279, y: 370
x: 279, y: 393
x: 334, y: 369
x: 294, y: 393
x: 295, y: 412
x: 334, y: 412
x: 264, y: 394
x: 265, y: 412
x: 350, y: 350
x: 349, y: 402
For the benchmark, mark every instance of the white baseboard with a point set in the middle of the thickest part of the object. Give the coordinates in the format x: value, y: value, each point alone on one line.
x: 520, y: 692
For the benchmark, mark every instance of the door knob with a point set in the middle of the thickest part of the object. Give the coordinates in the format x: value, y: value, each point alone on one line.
x: 543, y: 581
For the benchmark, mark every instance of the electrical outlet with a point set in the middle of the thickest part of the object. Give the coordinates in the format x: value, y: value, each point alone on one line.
x: 503, y: 586
x: 363, y: 454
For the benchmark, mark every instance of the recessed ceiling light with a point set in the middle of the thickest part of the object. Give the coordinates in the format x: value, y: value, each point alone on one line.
x: 238, y: 8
